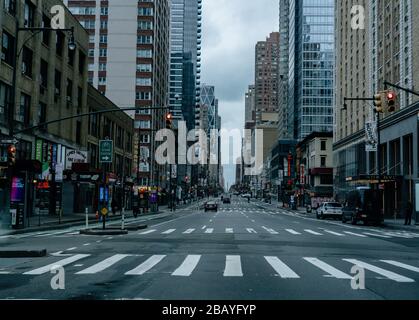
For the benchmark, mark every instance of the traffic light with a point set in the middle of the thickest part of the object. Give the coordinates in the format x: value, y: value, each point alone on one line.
x: 391, y: 101
x: 379, y: 102
x: 169, y: 118
x: 11, y: 155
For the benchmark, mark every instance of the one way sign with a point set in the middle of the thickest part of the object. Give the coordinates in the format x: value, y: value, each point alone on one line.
x: 105, y: 151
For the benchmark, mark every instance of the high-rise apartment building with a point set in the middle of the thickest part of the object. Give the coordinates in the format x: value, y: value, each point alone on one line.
x: 129, y: 63
x: 250, y: 107
x: 266, y: 79
x: 311, y: 67
x: 185, y: 59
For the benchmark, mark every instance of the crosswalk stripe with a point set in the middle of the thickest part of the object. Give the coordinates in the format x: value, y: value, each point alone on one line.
x: 292, y: 231
x: 251, y: 230
x: 281, y: 268
x: 397, y: 235
x: 356, y: 234
x: 188, y: 266
x: 146, y: 265
x: 209, y: 230
x: 401, y: 265
x: 271, y: 231
x: 376, y: 235
x: 233, y: 267
x: 334, y: 233
x: 147, y: 232
x: 328, y: 268
x: 169, y: 231
x: 313, y: 232
x: 229, y: 230
x: 388, y: 274
x: 62, y: 263
x: 98, y: 267
x: 189, y: 231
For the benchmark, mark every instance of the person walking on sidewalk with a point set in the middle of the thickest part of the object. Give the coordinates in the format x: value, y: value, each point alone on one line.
x: 408, y: 214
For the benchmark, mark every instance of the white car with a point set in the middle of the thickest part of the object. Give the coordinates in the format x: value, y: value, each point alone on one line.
x: 329, y: 209
x: 246, y: 195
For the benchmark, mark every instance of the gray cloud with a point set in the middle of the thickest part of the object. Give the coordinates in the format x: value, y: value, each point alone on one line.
x: 231, y: 29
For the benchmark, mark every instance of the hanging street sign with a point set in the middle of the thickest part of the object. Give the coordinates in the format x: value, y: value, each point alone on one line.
x: 106, y: 151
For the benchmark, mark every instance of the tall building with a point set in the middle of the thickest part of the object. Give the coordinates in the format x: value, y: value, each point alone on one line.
x: 283, y: 67
x: 266, y: 78
x: 311, y: 67
x: 250, y: 107
x: 383, y: 50
x: 185, y: 58
x: 129, y: 63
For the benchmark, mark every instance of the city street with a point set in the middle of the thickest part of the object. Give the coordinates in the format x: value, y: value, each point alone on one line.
x: 244, y: 251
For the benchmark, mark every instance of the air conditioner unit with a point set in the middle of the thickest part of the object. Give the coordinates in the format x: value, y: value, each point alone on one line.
x: 57, y: 91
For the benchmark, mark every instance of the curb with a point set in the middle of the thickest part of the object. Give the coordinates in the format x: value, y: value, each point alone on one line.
x: 23, y: 253
x: 106, y: 232
x: 129, y: 228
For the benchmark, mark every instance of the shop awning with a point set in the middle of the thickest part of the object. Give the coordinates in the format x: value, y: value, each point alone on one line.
x: 373, y: 179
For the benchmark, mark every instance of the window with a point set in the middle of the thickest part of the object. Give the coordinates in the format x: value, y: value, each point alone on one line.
x: 145, y: 25
x: 103, y: 39
x: 4, y: 101
x: 27, y: 56
x: 143, y: 124
x: 59, y: 42
x: 323, y: 161
x: 23, y: 111
x: 144, y: 39
x: 104, y: 24
x: 145, y: 11
x: 103, y: 52
x: 143, y: 95
x: 104, y: 11
x: 57, y: 82
x: 144, y: 67
x: 323, y: 145
x: 102, y: 81
x: 143, y: 81
x: 69, y: 90
x: 93, y: 124
x: 10, y: 6
x: 145, y: 138
x: 7, y: 46
x: 78, y: 132
x: 46, y: 23
x: 93, y: 151
x: 91, y: 52
x: 82, y: 62
x: 44, y: 74
x: 144, y: 53
x: 79, y: 97
x: 92, y: 38
x: 128, y: 142
x: 42, y: 115
x: 29, y: 14
x: 102, y: 66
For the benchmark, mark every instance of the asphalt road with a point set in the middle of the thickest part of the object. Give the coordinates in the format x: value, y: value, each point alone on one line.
x: 243, y: 251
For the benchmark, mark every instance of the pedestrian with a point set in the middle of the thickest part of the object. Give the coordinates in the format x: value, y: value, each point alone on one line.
x: 114, y: 206
x: 408, y: 213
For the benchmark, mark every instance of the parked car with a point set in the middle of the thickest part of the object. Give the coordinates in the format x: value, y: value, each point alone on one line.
x: 226, y: 199
x: 362, y: 205
x: 211, y: 206
x: 329, y: 209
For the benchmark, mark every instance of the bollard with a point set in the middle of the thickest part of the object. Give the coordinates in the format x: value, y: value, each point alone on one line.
x: 87, y: 218
x: 123, y: 219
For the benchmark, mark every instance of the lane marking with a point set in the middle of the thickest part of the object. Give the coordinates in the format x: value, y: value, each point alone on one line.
x: 169, y: 231
x: 86, y: 244
x: 334, y: 233
x: 388, y: 274
x: 281, y: 268
x: 146, y: 265
x: 401, y: 265
x: 189, y: 231
x: 229, y: 230
x: 251, y: 230
x: 62, y: 263
x: 148, y: 231
x: 209, y: 230
x: 313, y: 232
x: 376, y: 235
x: 332, y: 271
x: 98, y: 267
x: 271, y: 231
x: 188, y: 266
x: 204, y: 227
x: 292, y: 231
x: 355, y: 234
x: 71, y: 249
x: 233, y: 267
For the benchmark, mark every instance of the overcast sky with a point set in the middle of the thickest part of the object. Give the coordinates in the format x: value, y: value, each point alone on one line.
x: 231, y: 29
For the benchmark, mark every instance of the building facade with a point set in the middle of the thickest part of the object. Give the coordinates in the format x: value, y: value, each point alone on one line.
x: 50, y: 84
x: 311, y: 67
x: 129, y: 63
x: 266, y: 77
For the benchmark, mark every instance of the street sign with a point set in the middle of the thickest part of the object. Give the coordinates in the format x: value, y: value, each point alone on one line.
x: 104, y: 211
x: 106, y: 151
x: 8, y: 141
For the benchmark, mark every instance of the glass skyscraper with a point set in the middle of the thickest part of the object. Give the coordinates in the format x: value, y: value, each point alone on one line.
x: 311, y: 67
x: 185, y: 59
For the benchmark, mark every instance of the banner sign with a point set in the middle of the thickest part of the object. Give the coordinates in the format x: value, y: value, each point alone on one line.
x: 371, y: 142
